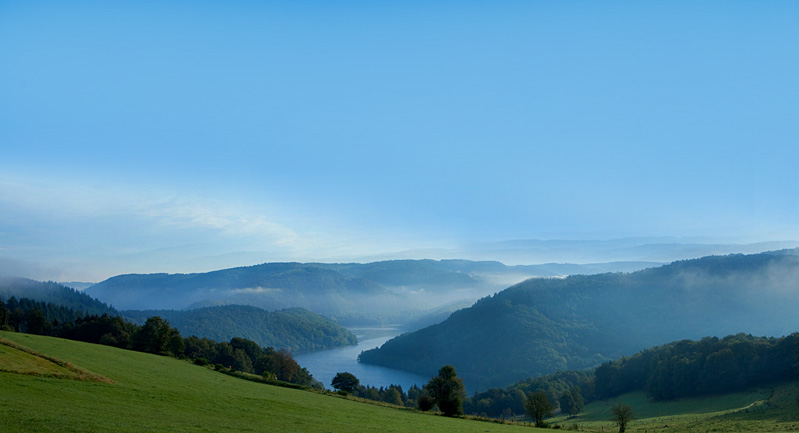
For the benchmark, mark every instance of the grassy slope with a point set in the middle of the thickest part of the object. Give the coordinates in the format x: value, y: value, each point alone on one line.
x: 15, y: 360
x: 770, y: 409
x: 152, y: 393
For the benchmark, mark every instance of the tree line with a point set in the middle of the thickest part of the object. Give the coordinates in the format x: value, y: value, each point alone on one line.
x: 680, y: 369
x: 155, y: 336
x: 293, y: 329
x: 695, y: 368
x: 50, y: 291
x: 444, y: 391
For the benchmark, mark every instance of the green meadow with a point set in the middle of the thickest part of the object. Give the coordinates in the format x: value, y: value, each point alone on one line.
x: 54, y: 385
x: 159, y: 394
x: 768, y: 409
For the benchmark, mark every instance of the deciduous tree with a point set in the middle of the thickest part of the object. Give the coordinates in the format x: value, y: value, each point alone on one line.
x: 572, y: 402
x: 539, y: 407
x: 345, y: 381
x: 622, y: 415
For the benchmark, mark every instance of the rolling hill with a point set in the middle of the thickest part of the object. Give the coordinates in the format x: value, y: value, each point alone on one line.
x: 295, y: 330
x: 53, y: 385
x: 146, y: 392
x: 399, y: 291
x: 541, y: 326
x: 54, y: 293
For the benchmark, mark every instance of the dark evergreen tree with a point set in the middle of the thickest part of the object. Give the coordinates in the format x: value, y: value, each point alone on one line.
x: 36, y: 322
x: 447, y: 391
x: 3, y: 313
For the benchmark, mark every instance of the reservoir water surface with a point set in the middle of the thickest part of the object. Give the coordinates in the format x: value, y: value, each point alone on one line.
x: 324, y: 364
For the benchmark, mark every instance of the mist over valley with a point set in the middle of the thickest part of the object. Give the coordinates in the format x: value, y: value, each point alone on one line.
x: 399, y: 292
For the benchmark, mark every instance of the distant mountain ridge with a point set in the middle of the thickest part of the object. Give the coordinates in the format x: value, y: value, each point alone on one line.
x: 541, y: 326
x: 652, y: 249
x: 398, y: 290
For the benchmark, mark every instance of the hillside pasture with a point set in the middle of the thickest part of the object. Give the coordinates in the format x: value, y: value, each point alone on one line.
x: 767, y: 409
x: 155, y: 393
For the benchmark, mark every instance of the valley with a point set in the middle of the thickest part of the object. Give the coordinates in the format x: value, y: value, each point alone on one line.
x: 156, y: 393
x: 556, y: 335
x: 399, y: 216
x: 411, y: 293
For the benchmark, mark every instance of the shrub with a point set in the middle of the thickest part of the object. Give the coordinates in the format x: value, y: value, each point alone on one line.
x: 425, y: 403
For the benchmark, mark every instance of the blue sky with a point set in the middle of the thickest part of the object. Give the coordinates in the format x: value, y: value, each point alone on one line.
x: 184, y: 136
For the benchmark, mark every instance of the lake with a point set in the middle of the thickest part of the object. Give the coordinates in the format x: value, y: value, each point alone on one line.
x: 324, y: 364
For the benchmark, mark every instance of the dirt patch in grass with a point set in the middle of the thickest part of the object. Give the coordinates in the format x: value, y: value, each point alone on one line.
x: 22, y: 360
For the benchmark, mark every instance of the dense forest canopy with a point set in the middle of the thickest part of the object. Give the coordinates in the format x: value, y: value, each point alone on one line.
x: 687, y: 368
x: 295, y: 329
x: 52, y: 292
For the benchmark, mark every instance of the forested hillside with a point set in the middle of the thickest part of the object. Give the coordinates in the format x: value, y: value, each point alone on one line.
x: 541, y: 326
x: 269, y: 286
x: 40, y: 307
x: 295, y: 330
x: 155, y: 336
x: 52, y: 292
x: 688, y: 368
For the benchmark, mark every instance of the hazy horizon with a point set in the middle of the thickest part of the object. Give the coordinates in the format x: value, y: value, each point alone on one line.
x: 191, y: 136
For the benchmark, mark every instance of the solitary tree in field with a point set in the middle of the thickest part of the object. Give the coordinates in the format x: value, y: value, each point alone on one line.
x: 539, y: 406
x: 345, y: 381
x: 622, y: 415
x: 447, y: 390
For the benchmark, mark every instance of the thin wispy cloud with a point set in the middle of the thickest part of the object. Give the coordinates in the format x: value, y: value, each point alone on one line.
x: 202, y: 213
x: 161, y: 137
x: 110, y: 221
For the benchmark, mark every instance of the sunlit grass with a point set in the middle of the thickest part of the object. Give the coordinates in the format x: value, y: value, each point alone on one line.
x: 160, y: 394
x: 759, y: 410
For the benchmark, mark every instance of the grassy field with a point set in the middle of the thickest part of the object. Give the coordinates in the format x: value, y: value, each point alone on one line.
x: 770, y: 409
x: 54, y: 385
x: 158, y: 394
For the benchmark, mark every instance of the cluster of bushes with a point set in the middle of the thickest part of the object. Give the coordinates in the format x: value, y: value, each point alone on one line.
x: 245, y: 355
x: 154, y: 336
x: 393, y: 394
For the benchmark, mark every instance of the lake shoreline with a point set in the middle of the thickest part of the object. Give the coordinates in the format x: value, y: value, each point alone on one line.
x: 324, y: 364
